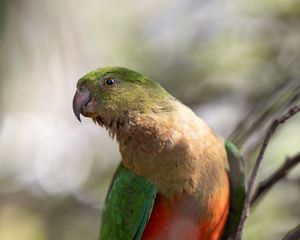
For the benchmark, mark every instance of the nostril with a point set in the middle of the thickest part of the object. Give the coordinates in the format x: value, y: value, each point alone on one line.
x: 82, y: 88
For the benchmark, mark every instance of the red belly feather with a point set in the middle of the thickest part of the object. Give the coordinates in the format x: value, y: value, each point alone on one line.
x: 168, y: 223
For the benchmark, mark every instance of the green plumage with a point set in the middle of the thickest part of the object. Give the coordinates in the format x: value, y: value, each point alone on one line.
x: 127, y: 207
x: 238, y: 188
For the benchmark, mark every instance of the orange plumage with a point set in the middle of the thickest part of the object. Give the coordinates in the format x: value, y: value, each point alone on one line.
x: 174, y: 218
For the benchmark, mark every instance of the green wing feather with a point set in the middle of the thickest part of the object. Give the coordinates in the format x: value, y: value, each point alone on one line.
x: 237, y: 179
x: 127, y: 207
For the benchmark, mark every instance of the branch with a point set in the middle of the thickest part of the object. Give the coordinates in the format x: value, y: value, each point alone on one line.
x: 279, y: 174
x: 270, y: 132
x: 293, y: 234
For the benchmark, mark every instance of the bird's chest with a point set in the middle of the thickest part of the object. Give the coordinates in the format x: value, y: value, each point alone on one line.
x: 146, y: 150
x: 164, y: 156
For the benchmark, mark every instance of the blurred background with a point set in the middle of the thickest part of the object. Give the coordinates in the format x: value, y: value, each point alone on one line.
x: 220, y: 57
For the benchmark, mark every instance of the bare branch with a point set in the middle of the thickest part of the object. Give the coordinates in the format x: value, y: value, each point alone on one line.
x: 271, y: 106
x: 270, y: 132
x: 279, y: 174
x: 293, y: 234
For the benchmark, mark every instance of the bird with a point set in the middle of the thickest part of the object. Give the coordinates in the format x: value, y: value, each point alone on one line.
x: 177, y: 179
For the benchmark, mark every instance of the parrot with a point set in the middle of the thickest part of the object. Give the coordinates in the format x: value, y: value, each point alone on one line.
x: 177, y: 179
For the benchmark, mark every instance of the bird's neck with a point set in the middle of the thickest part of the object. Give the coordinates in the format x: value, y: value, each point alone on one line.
x: 175, y: 150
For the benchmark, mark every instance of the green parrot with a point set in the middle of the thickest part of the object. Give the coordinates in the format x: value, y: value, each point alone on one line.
x: 177, y: 179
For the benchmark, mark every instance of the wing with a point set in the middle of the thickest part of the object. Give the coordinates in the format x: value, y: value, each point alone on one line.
x: 237, y: 175
x: 128, y: 206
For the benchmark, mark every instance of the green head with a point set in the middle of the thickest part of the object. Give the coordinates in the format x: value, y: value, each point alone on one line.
x: 106, y: 94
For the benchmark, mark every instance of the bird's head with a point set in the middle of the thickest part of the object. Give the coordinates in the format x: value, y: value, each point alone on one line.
x: 106, y: 94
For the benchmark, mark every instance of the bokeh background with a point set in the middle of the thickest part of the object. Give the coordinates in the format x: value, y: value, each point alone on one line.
x: 220, y: 57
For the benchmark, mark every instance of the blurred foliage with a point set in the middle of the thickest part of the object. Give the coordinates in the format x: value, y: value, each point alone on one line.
x: 219, y: 57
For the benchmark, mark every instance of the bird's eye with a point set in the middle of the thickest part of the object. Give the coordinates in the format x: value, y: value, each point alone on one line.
x: 109, y: 82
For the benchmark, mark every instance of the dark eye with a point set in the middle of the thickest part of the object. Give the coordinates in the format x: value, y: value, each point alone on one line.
x: 109, y: 82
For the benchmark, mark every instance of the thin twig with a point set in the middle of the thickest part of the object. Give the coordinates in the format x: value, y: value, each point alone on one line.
x: 270, y: 132
x: 293, y: 234
x: 279, y: 99
x: 279, y: 174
